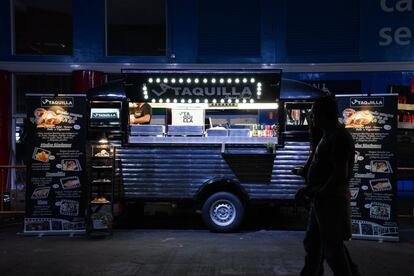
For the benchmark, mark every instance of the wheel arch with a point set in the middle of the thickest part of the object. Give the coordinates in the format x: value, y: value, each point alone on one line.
x: 216, y: 185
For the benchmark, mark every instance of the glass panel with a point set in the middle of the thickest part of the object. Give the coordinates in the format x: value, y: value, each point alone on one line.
x: 136, y: 28
x: 43, y: 27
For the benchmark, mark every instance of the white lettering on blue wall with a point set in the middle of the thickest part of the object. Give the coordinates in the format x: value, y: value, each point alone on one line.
x: 402, y: 36
x: 399, y: 6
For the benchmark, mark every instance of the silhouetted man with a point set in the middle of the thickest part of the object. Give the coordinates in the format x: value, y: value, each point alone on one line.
x: 328, y: 172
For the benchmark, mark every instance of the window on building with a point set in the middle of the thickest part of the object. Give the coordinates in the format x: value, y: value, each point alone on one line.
x: 42, y: 27
x: 136, y: 28
x: 40, y: 83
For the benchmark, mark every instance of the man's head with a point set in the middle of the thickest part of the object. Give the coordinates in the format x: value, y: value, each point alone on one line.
x: 324, y: 113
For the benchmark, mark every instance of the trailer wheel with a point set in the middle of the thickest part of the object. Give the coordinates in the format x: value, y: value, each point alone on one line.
x: 223, y: 212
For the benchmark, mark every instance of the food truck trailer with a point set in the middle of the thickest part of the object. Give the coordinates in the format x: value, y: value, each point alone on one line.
x: 221, y: 139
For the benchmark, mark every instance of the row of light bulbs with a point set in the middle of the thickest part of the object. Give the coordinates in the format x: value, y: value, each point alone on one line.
x: 205, y: 80
x: 214, y: 101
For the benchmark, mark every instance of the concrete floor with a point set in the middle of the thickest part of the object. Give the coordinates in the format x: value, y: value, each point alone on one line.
x: 187, y: 252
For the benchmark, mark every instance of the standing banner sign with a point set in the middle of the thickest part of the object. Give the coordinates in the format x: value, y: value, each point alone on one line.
x: 372, y: 122
x: 55, y: 159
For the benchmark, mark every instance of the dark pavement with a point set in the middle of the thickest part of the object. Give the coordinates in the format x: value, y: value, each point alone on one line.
x: 187, y: 252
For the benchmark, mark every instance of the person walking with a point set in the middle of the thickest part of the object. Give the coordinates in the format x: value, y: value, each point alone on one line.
x: 327, y: 173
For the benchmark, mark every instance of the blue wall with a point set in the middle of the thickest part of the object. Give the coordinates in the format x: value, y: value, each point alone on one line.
x: 319, y: 31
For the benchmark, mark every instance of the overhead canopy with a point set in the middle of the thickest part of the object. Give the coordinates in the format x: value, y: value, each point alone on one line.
x: 297, y: 90
x: 113, y: 90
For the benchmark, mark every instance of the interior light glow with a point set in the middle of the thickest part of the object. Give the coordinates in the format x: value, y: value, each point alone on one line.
x: 229, y: 100
x: 150, y: 80
x: 206, y: 101
x: 259, y: 84
x: 190, y: 101
x: 259, y: 93
x: 252, y: 80
x: 197, y: 101
x: 158, y: 80
x: 167, y: 100
x: 188, y: 80
x: 251, y: 101
x: 237, y: 100
x: 229, y: 80
x: 165, y: 80
x: 244, y: 80
x: 196, y: 80
x: 236, y: 80
x: 175, y: 100
x: 180, y: 80
x: 214, y: 101
x: 221, y: 80
x: 146, y: 97
x: 160, y: 101
x: 213, y: 80
x: 173, y: 80
x: 205, y: 80
x: 222, y: 100
x: 153, y: 100
x: 182, y: 101
x: 244, y: 101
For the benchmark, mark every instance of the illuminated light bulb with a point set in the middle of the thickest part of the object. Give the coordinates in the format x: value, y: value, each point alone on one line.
x: 180, y: 80
x: 244, y: 80
x: 259, y: 93
x: 214, y: 101
x: 252, y: 80
x: 259, y: 89
x: 229, y: 100
x: 197, y: 101
x: 213, y: 80
x: 236, y: 80
x: 190, y: 101
x: 251, y: 101
x: 150, y: 80
x: 205, y: 101
x: 173, y: 80
x: 259, y: 84
x: 222, y: 101
x: 146, y: 97
x: 228, y: 80
x: 167, y: 100
x: 158, y: 80
x: 188, y: 80
x: 244, y: 101
x: 153, y: 100
x: 160, y: 101
x: 165, y: 80
x: 144, y: 88
x: 182, y: 101
x: 196, y: 80
x: 221, y: 80
x: 237, y: 100
x: 205, y: 80
x: 175, y: 100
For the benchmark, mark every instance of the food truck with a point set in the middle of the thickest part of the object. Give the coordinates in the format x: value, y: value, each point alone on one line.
x: 221, y: 139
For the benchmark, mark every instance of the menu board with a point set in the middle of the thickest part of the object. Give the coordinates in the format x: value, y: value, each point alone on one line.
x: 55, y: 160
x: 372, y: 123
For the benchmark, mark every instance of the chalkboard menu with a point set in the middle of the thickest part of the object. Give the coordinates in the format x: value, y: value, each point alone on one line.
x: 372, y: 123
x: 55, y: 159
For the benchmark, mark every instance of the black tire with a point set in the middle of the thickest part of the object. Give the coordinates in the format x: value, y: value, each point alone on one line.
x: 223, y: 212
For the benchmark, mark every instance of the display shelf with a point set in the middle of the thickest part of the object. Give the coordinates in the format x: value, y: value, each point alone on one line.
x: 101, y: 167
x: 404, y: 125
x: 406, y: 107
x: 101, y: 176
